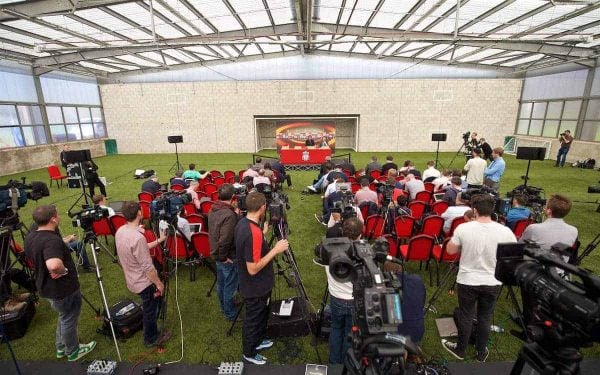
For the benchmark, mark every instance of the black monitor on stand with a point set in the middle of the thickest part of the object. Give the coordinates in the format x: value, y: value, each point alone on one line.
x: 529, y: 154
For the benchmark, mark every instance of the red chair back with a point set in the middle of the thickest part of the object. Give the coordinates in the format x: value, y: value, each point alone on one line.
x: 417, y: 208
x: 53, y: 171
x: 228, y: 174
x: 520, y: 227
x: 355, y: 186
x: 214, y: 196
x: 189, y: 208
x: 372, y: 186
x: 116, y: 222
x: 424, y: 196
x: 145, y: 206
x: 433, y: 226
x: 393, y: 244
x: 177, y: 247
x: 241, y: 173
x: 102, y: 227
x: 455, y: 223
x: 375, y: 174
x: 177, y: 187
x: 347, y: 172
x: 404, y: 226
x: 351, y: 179
x: 156, y: 251
x: 419, y: 248
x: 374, y: 226
x: 145, y: 196
x: 439, y: 207
x: 214, y: 173
x: 197, y: 219
x: 399, y: 178
x: 201, y: 244
x: 202, y: 194
x: 429, y: 186
x: 210, y: 188
x: 218, y: 180
x: 203, y: 182
x: 441, y: 255
x: 206, y: 206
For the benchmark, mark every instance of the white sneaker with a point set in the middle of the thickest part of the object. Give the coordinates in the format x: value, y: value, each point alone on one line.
x: 311, y: 188
x: 257, y: 359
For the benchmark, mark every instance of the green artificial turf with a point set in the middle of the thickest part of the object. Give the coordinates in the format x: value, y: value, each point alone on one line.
x: 203, y: 325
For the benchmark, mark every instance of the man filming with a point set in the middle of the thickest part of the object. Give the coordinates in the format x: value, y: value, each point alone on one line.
x: 140, y: 274
x: 256, y: 277
x: 477, y: 287
x: 565, y: 144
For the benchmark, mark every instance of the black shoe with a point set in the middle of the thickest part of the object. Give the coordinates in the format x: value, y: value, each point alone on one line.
x: 481, y: 357
x: 451, y: 348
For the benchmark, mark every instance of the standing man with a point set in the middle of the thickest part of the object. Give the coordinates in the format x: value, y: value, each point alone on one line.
x: 475, y: 168
x: 493, y: 173
x: 565, y: 144
x: 221, y: 229
x: 486, y: 149
x: 63, y: 155
x: 56, y: 280
x: 477, y: 287
x: 140, y: 274
x: 90, y: 170
x: 256, y: 277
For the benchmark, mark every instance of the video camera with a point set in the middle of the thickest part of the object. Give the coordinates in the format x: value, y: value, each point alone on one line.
x: 278, y: 206
x: 344, y: 205
x: 531, y: 194
x: 387, y: 193
x: 466, y: 136
x: 168, y: 206
x: 240, y: 193
x: 84, y: 218
x: 557, y: 312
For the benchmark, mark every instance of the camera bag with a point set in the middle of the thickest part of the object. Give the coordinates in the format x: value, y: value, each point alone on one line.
x: 126, y: 317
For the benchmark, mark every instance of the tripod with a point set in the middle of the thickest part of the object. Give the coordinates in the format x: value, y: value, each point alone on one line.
x: 176, y: 166
x: 437, y: 155
x: 84, y: 194
x: 457, y: 153
x: 588, y: 249
x: 452, y: 271
x: 562, y: 361
x: 4, y: 337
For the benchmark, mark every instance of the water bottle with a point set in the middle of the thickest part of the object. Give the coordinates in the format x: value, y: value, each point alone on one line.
x: 495, y: 328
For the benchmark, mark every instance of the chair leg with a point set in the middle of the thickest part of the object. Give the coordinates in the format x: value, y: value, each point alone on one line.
x: 437, y: 277
x: 209, y: 293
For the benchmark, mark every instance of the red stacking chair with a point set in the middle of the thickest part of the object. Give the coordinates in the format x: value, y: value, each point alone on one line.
x: 393, y: 244
x: 419, y: 248
x: 400, y: 178
x: 179, y: 252
x: 417, y: 208
x: 351, y: 179
x: 372, y: 186
x: 404, y: 227
x: 203, y: 182
x: 116, y: 222
x: 145, y: 206
x: 145, y: 196
x: 520, y: 227
x: 228, y: 174
x: 214, y: 196
x: 201, y: 245
x: 156, y: 251
x: 241, y: 173
x: 177, y: 187
x: 347, y: 172
x: 429, y: 186
x: 197, y: 219
x: 374, y: 226
x: 218, y: 180
x: 375, y: 174
x: 210, y: 188
x: 102, y: 228
x: 424, y: 196
x: 433, y: 226
x: 355, y: 186
x: 440, y: 256
x: 455, y: 222
x: 439, y: 207
x: 214, y: 173
x: 189, y: 208
x: 55, y: 175
x: 157, y: 194
x: 206, y: 206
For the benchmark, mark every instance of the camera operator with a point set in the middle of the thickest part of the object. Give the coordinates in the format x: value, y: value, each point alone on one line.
x: 517, y: 212
x: 63, y: 155
x: 486, y: 149
x: 475, y: 168
x: 140, y: 274
x: 341, y: 301
x: 493, y: 173
x: 222, y: 219
x: 100, y: 201
x: 56, y: 279
x: 478, y: 289
x: 91, y: 175
x: 151, y: 185
x: 474, y: 142
x: 256, y: 277
x: 554, y: 229
x: 565, y: 144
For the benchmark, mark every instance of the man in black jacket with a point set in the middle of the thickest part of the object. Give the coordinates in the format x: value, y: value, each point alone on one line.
x: 63, y: 155
x: 486, y: 149
x: 90, y: 170
x: 151, y: 185
x: 222, y: 219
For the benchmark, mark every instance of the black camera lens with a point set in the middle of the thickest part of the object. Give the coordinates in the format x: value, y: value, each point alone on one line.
x: 340, y: 267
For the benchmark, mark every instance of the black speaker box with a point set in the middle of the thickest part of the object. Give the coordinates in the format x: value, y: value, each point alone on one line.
x: 438, y: 137
x: 531, y: 153
x: 78, y: 156
x: 175, y: 138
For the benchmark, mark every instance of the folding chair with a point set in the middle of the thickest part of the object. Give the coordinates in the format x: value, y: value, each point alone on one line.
x: 179, y: 252
x: 374, y: 226
x: 145, y: 196
x: 177, y: 187
x: 417, y: 208
x: 439, y: 207
x: 424, y: 196
x: 206, y: 206
x: 440, y: 256
x: 55, y: 175
x: 433, y: 226
x: 145, y: 206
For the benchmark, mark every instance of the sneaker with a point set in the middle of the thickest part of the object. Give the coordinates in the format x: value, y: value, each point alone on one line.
x: 318, y: 218
x: 481, y: 357
x: 265, y: 344
x: 82, y: 351
x: 60, y: 354
x: 257, y: 359
x: 451, y: 348
x: 311, y: 188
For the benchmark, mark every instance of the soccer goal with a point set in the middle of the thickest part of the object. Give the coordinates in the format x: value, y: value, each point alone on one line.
x: 513, y: 143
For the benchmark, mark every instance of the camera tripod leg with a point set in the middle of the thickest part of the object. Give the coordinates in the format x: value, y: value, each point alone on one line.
x: 4, y: 337
x: 98, y: 244
x: 237, y: 315
x: 452, y: 269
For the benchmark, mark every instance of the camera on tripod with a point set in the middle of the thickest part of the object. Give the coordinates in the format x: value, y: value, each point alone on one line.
x: 344, y: 205
x: 278, y: 206
x: 240, y: 194
x: 466, y: 136
x: 15, y: 195
x: 531, y: 194
x: 84, y: 218
x: 387, y: 193
x: 168, y: 206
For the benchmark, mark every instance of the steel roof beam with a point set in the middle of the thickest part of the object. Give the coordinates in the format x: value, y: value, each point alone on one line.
x: 516, y: 20
x: 486, y: 14
x: 297, y: 14
x: 49, y: 7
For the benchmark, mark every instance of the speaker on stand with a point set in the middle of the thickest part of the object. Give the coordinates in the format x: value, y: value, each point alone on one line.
x: 175, y: 139
x: 438, y: 137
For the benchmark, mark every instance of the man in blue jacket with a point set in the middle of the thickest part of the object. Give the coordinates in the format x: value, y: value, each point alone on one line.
x: 517, y: 212
x: 493, y: 172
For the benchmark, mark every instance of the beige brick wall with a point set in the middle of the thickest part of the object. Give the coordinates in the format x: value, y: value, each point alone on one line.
x: 580, y: 150
x: 395, y: 115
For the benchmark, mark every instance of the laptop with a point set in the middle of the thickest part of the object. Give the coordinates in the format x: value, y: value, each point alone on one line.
x: 438, y: 196
x: 195, y: 228
x: 116, y: 205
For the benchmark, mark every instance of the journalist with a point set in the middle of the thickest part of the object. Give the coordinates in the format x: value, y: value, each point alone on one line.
x: 222, y: 219
x: 565, y: 145
x: 493, y: 173
x: 256, y: 277
x: 478, y: 289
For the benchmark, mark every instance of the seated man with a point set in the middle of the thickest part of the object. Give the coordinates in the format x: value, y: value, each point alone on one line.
x: 372, y: 166
x: 178, y: 180
x: 402, y: 206
x: 100, y: 200
x: 151, y: 185
x: 258, y: 165
x: 517, y: 212
x: 453, y: 191
x: 458, y: 210
x: 261, y: 178
x: 365, y: 194
x: 281, y: 173
x: 250, y: 173
x: 413, y: 186
x: 193, y: 194
x: 337, y: 173
x: 183, y: 225
x: 193, y: 174
x: 430, y: 173
x: 442, y: 182
x: 322, y: 182
x: 309, y: 141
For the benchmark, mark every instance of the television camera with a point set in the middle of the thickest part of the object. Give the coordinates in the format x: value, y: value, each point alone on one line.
x: 240, y: 193
x: 501, y: 206
x: 168, y: 206
x: 14, y: 195
x: 387, y: 193
x: 84, y: 218
x: 345, y: 202
x: 560, y: 316
x: 376, y: 346
x: 278, y: 206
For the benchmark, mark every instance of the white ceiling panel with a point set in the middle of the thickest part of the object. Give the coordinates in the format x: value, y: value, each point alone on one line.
x: 217, y: 13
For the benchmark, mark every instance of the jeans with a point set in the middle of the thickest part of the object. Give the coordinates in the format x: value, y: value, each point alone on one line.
x: 79, y: 249
x: 562, y: 156
x: 150, y: 313
x: 254, y: 329
x: 475, y: 301
x: 341, y: 324
x: 227, y: 284
x: 68, y: 310
x: 319, y: 183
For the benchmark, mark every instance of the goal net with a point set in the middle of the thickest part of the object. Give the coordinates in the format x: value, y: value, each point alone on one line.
x: 514, y: 143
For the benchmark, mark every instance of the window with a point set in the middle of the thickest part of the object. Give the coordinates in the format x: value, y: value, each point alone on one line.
x: 13, y: 133
x: 54, y: 115
x: 68, y: 123
x: 591, y: 125
x: 548, y: 118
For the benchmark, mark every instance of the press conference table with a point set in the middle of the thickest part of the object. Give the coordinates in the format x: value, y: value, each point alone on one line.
x: 293, y: 156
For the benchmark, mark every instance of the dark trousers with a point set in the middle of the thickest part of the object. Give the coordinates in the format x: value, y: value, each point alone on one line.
x: 254, y: 329
x: 288, y: 179
x: 93, y: 182
x: 150, y: 313
x: 17, y: 276
x: 479, y: 302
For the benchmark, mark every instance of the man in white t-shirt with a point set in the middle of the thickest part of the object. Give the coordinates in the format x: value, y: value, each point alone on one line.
x: 452, y: 212
x: 475, y: 168
x: 430, y: 173
x: 477, y: 242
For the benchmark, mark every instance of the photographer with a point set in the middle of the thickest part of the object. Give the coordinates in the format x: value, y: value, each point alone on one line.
x: 565, y: 144
x: 222, y: 219
x: 478, y: 289
x: 140, y: 274
x: 91, y: 175
x: 342, y: 302
x: 256, y: 277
